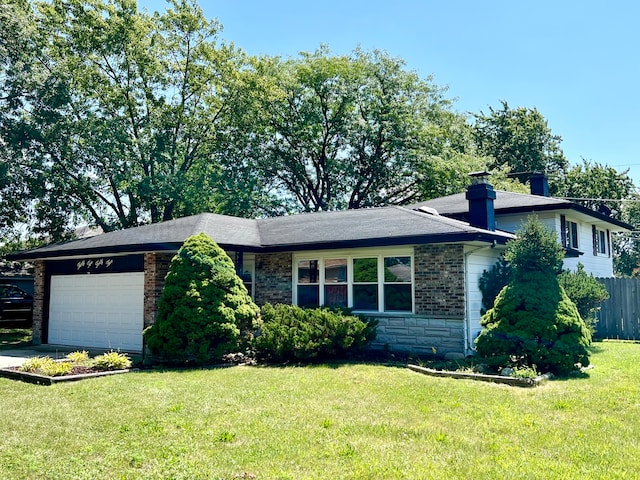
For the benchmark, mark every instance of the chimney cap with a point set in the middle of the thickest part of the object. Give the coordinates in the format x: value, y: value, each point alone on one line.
x: 479, y: 177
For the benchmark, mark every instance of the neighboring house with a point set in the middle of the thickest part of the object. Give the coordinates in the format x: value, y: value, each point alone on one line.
x: 585, y: 234
x: 414, y: 270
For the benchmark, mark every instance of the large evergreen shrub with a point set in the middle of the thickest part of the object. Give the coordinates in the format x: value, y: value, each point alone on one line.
x: 533, y: 321
x: 205, y: 310
x: 291, y: 333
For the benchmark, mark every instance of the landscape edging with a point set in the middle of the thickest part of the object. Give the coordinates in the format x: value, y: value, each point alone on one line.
x: 46, y: 380
x: 517, y: 382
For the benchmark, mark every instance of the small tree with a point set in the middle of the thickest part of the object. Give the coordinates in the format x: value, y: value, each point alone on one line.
x: 204, y: 310
x: 585, y: 291
x: 533, y: 322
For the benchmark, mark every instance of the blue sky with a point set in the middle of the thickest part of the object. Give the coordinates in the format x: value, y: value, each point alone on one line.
x: 576, y: 61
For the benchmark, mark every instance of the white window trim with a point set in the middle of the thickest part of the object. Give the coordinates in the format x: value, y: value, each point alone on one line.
x: 602, y: 247
x: 350, y: 255
x: 570, y: 236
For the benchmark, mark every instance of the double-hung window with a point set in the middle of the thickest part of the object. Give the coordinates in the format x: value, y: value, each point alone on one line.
x: 368, y: 282
x: 599, y: 241
x: 572, y: 235
x: 602, y: 242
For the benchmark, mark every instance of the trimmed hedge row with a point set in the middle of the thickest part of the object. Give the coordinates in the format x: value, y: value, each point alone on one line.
x: 291, y: 333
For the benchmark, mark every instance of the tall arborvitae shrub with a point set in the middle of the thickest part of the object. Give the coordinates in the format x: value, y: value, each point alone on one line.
x: 204, y: 310
x: 533, y: 322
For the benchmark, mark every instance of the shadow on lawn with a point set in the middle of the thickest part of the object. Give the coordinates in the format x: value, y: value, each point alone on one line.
x: 14, y: 337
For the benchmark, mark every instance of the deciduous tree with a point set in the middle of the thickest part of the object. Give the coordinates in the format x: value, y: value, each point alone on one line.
x: 353, y: 131
x: 521, y: 139
x: 120, y: 113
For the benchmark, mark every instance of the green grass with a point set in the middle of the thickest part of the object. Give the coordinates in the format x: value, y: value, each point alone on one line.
x: 325, y: 422
x: 14, y: 337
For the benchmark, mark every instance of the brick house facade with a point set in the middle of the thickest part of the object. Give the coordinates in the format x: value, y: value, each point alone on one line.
x: 423, y: 270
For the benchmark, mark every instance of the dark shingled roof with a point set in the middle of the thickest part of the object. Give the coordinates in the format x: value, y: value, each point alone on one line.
x: 350, y: 228
x: 457, y: 206
x: 158, y: 236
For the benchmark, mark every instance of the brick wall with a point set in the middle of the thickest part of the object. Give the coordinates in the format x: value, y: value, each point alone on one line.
x: 439, y: 280
x: 156, y: 267
x: 273, y: 278
x: 38, y: 301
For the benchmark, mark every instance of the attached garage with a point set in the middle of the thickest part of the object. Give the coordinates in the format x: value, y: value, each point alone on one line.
x: 99, y: 310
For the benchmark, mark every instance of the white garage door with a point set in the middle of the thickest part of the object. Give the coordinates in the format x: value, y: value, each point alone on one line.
x: 101, y: 310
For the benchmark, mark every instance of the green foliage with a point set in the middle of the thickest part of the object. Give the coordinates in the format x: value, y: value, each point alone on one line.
x: 584, y: 290
x: 45, y: 366
x: 535, y: 250
x: 112, y: 115
x: 526, y: 373
x: 492, y: 281
x: 78, y: 357
x: 111, y: 361
x: 291, y: 333
x: 205, y: 310
x: 533, y: 321
x: 33, y: 364
x: 350, y: 131
x: 521, y: 139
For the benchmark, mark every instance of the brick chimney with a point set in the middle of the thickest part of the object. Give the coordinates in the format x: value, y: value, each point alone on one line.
x: 539, y: 184
x: 481, y: 195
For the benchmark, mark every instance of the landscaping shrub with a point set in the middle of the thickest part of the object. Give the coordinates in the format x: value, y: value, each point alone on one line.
x: 291, y: 333
x: 582, y: 288
x: 111, y: 361
x: 585, y: 291
x: 533, y: 322
x: 45, y: 366
x: 204, y: 310
x: 78, y: 357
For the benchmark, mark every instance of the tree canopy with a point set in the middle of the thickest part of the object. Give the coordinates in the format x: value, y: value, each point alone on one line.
x: 115, y: 114
x: 351, y: 131
x: 520, y: 139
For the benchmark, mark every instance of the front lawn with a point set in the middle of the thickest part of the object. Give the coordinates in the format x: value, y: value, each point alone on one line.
x: 325, y: 422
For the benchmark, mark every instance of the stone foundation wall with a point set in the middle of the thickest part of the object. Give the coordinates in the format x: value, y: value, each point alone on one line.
x: 420, y: 335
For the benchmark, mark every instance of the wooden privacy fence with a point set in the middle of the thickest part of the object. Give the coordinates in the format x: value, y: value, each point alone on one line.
x: 619, y: 316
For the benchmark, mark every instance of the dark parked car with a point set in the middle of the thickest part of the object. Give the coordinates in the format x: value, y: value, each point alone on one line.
x: 16, y: 306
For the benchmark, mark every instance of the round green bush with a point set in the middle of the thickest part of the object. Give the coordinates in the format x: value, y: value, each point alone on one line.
x: 205, y: 310
x: 533, y: 322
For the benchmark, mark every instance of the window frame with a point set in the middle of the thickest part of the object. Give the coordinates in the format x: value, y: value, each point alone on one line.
x: 573, y: 235
x: 601, y: 242
x: 350, y: 256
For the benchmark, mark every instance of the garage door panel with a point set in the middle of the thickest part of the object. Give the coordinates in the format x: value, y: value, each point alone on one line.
x: 102, y: 310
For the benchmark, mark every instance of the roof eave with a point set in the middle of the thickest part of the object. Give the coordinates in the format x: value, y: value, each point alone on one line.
x: 568, y: 206
x: 471, y: 236
x: 40, y: 254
